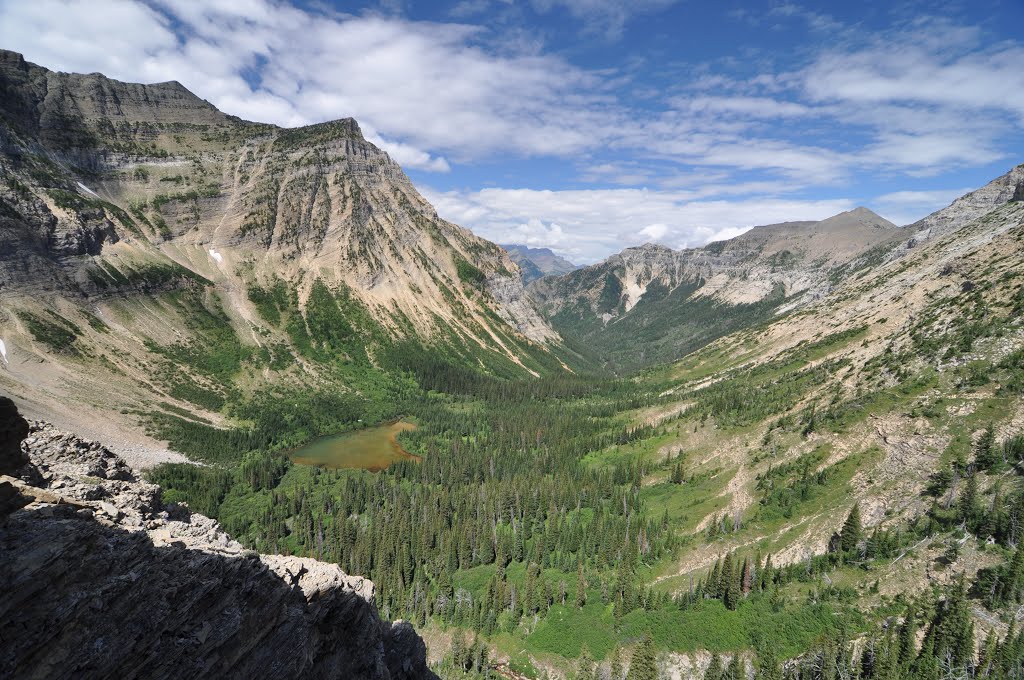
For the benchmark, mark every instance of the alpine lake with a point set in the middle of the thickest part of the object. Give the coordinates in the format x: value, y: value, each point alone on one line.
x: 373, y: 449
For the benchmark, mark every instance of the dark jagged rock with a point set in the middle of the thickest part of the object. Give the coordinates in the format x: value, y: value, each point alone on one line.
x: 1018, y: 193
x: 13, y: 430
x: 89, y: 599
x: 101, y: 580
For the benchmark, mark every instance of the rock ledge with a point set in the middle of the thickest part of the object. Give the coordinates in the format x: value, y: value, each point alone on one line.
x: 101, y: 580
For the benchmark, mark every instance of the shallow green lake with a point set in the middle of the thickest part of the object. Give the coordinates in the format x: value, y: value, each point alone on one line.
x: 371, y: 449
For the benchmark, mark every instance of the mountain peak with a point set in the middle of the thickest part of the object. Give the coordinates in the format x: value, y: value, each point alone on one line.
x: 859, y: 216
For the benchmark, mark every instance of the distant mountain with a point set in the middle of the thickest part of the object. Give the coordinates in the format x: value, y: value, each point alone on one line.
x: 651, y: 303
x: 535, y: 263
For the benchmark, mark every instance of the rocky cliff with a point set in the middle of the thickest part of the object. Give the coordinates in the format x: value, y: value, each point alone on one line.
x: 969, y: 207
x: 138, y: 221
x: 102, y: 580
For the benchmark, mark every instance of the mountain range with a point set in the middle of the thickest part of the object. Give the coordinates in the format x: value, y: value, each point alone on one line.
x: 595, y: 447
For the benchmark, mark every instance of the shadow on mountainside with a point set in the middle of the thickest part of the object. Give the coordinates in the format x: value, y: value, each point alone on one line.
x: 84, y: 600
x: 85, y: 597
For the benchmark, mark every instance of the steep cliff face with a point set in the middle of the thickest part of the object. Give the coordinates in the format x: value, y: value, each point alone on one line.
x: 101, y: 172
x: 130, y: 212
x: 102, y: 580
x: 969, y: 207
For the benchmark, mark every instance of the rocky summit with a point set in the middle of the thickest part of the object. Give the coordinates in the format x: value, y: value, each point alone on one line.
x: 102, y: 580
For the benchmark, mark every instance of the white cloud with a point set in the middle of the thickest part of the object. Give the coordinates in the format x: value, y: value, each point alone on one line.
x: 920, y: 98
x: 604, y: 16
x: 407, y: 155
x: 755, y: 107
x: 655, y: 232
x: 429, y: 89
x: 932, y: 63
x: 589, y: 225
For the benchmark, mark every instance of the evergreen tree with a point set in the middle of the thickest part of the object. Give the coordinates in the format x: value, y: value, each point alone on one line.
x: 986, y: 455
x: 715, y: 669
x: 1013, y: 586
x: 616, y: 665
x: 951, y: 634
x: 907, y: 638
x: 967, y: 505
x: 768, y: 667
x: 735, y: 670
x: 746, y: 577
x: 725, y: 583
x: 850, y: 535
x: 585, y: 666
x: 459, y: 651
x: 714, y: 587
x: 643, y: 666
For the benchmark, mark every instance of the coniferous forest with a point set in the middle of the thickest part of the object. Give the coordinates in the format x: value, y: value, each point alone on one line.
x: 531, y: 519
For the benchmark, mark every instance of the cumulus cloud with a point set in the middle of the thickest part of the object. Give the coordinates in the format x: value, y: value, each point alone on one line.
x: 917, y: 98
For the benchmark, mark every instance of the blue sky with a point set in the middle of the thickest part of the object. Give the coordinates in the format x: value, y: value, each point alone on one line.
x: 589, y: 125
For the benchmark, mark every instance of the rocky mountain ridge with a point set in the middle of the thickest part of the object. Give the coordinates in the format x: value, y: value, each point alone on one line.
x: 970, y: 206
x: 138, y: 221
x: 655, y: 295
x: 232, y: 201
x: 662, y: 303
x: 105, y: 580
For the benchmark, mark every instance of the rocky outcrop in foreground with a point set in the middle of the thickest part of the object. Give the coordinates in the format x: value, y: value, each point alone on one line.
x: 101, y: 580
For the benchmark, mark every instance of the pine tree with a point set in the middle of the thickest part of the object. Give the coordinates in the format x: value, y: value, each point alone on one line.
x: 585, y: 666
x: 725, y: 583
x: 735, y: 671
x: 967, y: 507
x: 908, y: 638
x: 952, y: 629
x: 715, y: 580
x: 616, y: 665
x: 1013, y: 587
x: 714, y: 670
x: 987, y: 658
x: 643, y: 666
x: 459, y: 651
x: 768, y: 667
x: 677, y: 474
x: 851, y: 532
x: 746, y: 577
x: 985, y: 453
